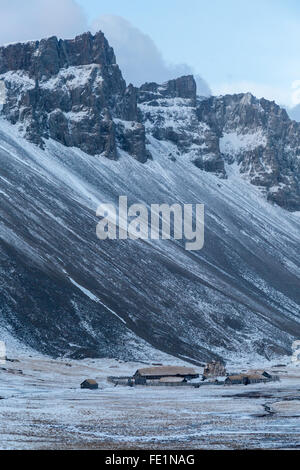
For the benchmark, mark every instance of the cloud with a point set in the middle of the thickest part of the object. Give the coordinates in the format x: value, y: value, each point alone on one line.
x: 35, y: 19
x: 137, y: 55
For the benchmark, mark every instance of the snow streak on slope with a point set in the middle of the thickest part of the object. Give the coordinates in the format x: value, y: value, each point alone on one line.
x: 238, y: 296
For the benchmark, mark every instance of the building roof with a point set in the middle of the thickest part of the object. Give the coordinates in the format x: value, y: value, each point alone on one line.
x: 171, y: 379
x: 90, y: 381
x: 236, y: 377
x: 166, y: 371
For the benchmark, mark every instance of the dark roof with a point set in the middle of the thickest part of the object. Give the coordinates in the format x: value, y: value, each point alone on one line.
x: 236, y: 377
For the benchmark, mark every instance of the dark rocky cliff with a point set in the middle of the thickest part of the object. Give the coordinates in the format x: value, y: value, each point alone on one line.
x: 259, y: 136
x: 63, y: 291
x: 71, y: 91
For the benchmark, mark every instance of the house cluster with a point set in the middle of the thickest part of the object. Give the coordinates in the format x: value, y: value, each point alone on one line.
x: 214, y: 374
x: 251, y: 377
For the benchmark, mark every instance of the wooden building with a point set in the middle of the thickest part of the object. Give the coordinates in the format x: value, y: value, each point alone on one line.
x: 246, y: 379
x: 164, y: 372
x: 235, y: 379
x: 89, y: 384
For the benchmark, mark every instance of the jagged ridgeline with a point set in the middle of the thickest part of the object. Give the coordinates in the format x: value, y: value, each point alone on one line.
x: 74, y: 135
x: 73, y: 91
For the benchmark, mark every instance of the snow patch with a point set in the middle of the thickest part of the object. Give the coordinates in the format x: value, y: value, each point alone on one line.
x: 235, y: 143
x: 73, y: 77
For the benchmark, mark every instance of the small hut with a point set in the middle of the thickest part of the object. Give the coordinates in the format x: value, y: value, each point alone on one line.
x: 255, y: 379
x: 235, y: 379
x: 245, y: 379
x: 89, y: 384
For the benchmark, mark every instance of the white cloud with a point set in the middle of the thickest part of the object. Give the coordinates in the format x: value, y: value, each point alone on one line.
x: 296, y: 92
x: 137, y: 55
x: 23, y: 20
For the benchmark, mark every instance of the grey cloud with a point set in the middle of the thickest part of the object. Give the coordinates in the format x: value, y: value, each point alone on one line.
x: 294, y: 112
x: 137, y: 55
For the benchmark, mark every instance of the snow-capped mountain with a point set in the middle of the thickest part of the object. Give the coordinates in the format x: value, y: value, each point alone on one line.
x: 73, y: 135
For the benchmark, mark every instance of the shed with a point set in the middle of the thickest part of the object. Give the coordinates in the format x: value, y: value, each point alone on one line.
x: 235, y: 379
x: 254, y: 379
x: 89, y: 384
x: 245, y: 379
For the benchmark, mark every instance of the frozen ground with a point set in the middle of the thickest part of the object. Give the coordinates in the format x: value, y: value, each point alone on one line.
x: 44, y: 408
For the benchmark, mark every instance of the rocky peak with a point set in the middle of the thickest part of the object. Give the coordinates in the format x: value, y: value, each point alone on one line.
x: 259, y: 136
x: 43, y: 59
x: 241, y: 111
x: 71, y: 91
x: 183, y: 87
x: 169, y: 114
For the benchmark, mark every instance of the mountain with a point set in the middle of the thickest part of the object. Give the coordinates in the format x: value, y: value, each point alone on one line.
x: 74, y: 135
x: 69, y: 91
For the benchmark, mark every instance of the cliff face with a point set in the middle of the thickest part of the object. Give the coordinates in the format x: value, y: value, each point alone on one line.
x: 64, y: 292
x: 71, y: 91
x: 170, y: 113
x: 260, y: 138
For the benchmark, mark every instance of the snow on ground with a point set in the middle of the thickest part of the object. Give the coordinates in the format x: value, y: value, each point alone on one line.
x: 44, y: 408
x: 235, y: 143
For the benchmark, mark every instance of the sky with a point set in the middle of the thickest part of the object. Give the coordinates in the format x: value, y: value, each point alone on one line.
x: 230, y: 45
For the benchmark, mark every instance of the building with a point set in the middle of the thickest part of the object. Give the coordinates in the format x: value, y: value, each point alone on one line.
x: 255, y: 379
x: 235, y: 379
x: 246, y: 379
x: 164, y: 372
x: 264, y: 373
x: 172, y: 380
x: 89, y: 384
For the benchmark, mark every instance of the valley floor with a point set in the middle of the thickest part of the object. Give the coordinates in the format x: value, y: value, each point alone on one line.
x: 44, y: 408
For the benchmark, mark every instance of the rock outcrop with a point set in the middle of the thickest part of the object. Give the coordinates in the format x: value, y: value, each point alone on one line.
x: 259, y: 137
x: 169, y: 114
x: 71, y: 91
x: 66, y: 293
